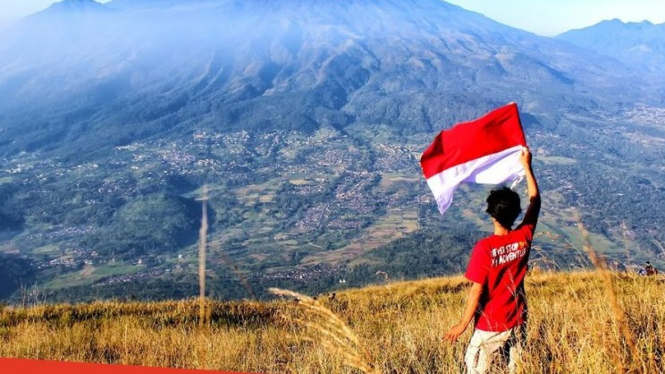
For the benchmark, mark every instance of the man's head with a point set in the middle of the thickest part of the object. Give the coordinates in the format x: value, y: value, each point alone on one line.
x: 504, y: 206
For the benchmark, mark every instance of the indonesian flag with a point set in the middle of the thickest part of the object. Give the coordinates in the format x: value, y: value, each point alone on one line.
x: 484, y: 151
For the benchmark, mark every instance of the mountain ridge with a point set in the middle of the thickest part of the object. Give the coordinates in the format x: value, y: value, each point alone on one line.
x: 633, y: 43
x: 72, y: 7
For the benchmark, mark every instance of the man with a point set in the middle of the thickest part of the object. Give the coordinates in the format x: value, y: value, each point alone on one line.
x: 650, y: 270
x: 497, y: 269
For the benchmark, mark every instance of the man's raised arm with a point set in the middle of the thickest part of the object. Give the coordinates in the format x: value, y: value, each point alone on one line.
x: 532, y: 212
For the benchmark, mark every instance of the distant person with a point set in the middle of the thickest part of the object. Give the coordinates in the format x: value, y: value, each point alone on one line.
x: 650, y: 270
x: 496, y: 270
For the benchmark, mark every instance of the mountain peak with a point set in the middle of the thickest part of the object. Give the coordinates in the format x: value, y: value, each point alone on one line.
x: 615, y: 23
x: 75, y: 6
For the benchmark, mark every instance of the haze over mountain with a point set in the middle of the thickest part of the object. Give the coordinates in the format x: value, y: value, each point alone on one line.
x: 345, y: 55
x: 306, y: 118
x: 635, y: 44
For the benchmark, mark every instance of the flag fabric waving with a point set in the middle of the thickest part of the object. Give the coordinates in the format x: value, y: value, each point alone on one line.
x: 483, y: 151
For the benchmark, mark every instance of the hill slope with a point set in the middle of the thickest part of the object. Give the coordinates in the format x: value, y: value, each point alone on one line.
x: 399, y: 327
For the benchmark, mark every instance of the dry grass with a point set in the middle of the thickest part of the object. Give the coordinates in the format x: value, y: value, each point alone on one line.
x: 327, y: 329
x: 395, y: 328
x: 617, y: 309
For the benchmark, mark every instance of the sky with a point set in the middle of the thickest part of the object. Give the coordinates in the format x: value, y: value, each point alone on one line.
x: 543, y: 17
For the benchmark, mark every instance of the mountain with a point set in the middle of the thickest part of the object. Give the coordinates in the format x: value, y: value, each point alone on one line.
x: 635, y: 44
x: 74, y: 6
x: 51, y: 35
x: 265, y: 52
x: 305, y: 119
x: 163, y: 4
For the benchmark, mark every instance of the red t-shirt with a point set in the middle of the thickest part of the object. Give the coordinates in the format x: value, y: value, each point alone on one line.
x: 499, y: 263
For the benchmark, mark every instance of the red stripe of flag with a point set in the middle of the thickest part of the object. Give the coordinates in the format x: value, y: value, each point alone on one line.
x: 498, y: 130
x: 20, y: 366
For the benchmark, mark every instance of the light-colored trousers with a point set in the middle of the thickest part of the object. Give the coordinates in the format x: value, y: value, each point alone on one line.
x: 489, y: 351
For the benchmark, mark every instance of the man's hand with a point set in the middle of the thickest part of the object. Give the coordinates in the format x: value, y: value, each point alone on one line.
x: 525, y: 158
x: 454, y: 333
x: 472, y: 300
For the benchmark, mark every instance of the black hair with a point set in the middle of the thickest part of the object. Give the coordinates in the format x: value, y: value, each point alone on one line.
x: 504, y: 206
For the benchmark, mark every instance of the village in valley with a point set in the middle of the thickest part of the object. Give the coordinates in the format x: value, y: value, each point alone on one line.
x: 282, y: 203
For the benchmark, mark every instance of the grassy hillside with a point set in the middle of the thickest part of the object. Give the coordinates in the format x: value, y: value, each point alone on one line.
x: 573, y: 329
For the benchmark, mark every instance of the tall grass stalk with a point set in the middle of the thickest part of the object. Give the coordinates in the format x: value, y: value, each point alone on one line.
x: 203, y: 235
x: 617, y: 310
x: 332, y: 332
